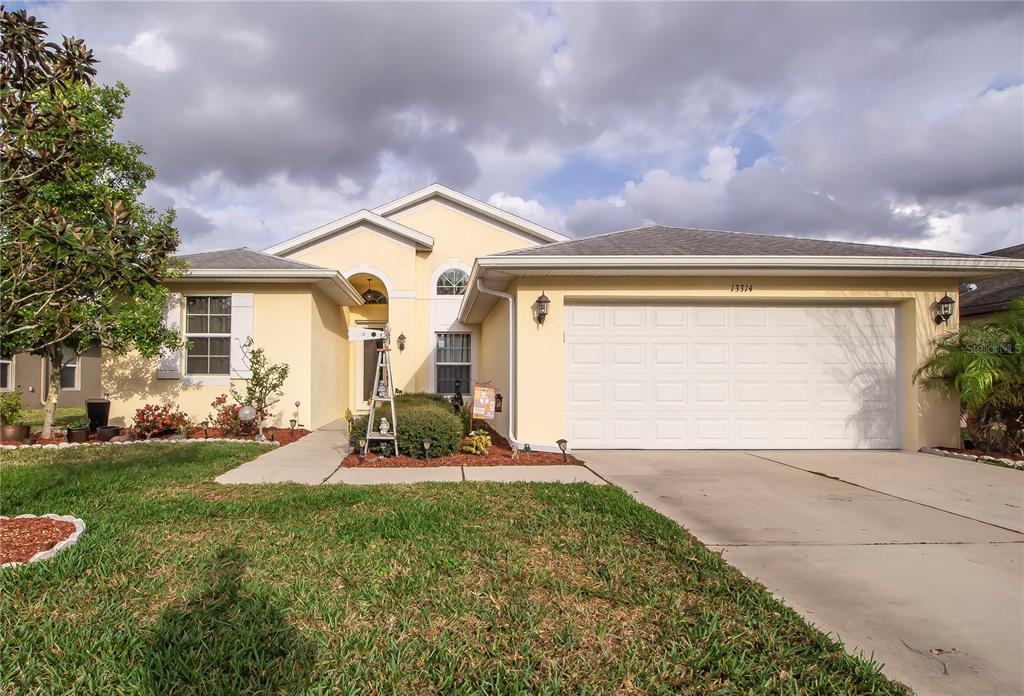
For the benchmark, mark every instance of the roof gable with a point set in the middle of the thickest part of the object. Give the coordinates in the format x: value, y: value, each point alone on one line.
x: 243, y: 259
x: 345, y: 224
x: 440, y: 191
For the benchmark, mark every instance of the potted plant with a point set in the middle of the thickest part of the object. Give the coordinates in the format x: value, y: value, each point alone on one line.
x: 106, y: 433
x: 98, y: 412
x: 11, y: 414
x: 77, y: 431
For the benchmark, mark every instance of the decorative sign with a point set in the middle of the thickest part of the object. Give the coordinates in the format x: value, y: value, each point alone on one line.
x: 483, y: 401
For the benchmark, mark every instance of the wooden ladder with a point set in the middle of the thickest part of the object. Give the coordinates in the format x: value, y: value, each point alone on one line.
x: 387, y: 386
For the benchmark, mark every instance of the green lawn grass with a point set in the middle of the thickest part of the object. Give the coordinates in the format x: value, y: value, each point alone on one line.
x: 64, y: 415
x: 180, y: 585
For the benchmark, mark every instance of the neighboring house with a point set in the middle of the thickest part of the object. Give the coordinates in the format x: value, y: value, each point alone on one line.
x: 982, y: 298
x: 653, y: 338
x: 79, y: 380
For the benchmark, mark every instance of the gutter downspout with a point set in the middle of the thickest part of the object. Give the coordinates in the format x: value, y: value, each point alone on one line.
x: 511, y: 354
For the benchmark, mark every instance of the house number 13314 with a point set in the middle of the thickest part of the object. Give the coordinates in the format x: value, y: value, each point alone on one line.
x: 742, y: 287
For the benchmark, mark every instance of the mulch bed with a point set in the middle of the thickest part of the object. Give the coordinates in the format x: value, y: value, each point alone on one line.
x: 498, y: 454
x: 285, y: 436
x: 22, y: 538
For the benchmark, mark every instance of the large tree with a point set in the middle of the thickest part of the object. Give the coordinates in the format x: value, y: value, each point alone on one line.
x: 83, y: 259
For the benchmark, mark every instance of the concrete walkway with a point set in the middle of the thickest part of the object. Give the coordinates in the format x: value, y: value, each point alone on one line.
x: 311, y: 460
x: 314, y: 460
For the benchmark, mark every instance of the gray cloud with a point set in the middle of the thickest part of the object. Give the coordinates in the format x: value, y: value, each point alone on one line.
x: 881, y: 115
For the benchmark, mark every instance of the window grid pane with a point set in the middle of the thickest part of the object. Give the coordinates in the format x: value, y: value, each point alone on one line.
x: 67, y: 377
x: 453, y: 359
x: 208, y: 330
x: 5, y: 375
x: 452, y: 282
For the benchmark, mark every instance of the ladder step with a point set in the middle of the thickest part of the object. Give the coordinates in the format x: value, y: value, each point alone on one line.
x: 379, y: 436
x: 382, y: 398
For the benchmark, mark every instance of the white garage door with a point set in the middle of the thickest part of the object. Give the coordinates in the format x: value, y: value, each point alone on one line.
x: 731, y: 377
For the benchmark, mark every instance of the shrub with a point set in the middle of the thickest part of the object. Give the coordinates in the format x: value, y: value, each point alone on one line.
x: 419, y: 416
x: 476, y: 442
x: 11, y: 411
x: 983, y: 365
x: 266, y: 381
x: 153, y: 420
x: 225, y: 417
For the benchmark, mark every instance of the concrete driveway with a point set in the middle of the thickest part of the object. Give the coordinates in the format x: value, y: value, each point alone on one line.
x: 914, y: 558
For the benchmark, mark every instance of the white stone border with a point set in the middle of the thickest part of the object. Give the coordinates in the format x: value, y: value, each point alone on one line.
x: 65, y: 445
x: 1004, y: 461
x: 43, y: 555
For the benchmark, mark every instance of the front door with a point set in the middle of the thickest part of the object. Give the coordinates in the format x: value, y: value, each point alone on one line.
x: 369, y: 369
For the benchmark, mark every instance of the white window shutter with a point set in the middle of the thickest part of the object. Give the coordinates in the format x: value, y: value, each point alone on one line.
x: 241, y: 331
x: 169, y: 364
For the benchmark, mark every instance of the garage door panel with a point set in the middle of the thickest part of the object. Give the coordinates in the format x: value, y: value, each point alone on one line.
x: 707, y: 376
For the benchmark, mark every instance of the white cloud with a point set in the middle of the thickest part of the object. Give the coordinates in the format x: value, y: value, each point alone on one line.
x: 149, y: 48
x: 532, y: 210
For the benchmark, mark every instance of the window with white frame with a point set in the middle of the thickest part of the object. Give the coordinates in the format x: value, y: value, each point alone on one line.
x: 6, y: 374
x: 452, y: 361
x: 452, y: 282
x: 208, y: 332
x: 69, y: 374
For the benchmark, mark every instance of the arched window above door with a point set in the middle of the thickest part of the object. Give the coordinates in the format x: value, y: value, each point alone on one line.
x: 452, y: 282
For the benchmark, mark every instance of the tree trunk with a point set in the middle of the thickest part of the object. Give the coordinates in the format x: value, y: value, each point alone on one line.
x: 56, y: 363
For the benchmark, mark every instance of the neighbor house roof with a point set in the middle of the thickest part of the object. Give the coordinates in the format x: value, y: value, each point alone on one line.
x: 248, y: 266
x: 436, y: 190
x: 658, y: 250
x: 994, y: 294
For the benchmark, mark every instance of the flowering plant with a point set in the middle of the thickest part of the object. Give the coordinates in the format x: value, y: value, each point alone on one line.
x: 153, y: 419
x: 225, y: 417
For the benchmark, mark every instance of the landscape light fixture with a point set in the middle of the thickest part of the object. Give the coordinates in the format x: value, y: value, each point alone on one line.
x: 945, y: 309
x: 426, y: 446
x: 563, y: 444
x: 543, y: 303
x: 272, y: 430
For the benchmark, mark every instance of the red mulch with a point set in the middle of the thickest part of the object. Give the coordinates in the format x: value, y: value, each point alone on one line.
x: 21, y: 539
x: 285, y: 436
x: 498, y: 454
x: 982, y: 453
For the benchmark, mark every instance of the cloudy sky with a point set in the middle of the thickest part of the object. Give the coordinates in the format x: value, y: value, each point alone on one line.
x: 893, y: 122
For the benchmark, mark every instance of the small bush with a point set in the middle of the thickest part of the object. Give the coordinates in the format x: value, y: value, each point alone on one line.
x: 419, y: 416
x: 476, y: 442
x: 11, y: 412
x: 152, y: 419
x: 225, y: 418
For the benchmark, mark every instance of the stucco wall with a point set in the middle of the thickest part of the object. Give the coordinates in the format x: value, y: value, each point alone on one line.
x: 29, y: 376
x: 329, y: 351
x: 282, y: 325
x: 928, y: 418
x: 409, y: 275
x: 494, y: 359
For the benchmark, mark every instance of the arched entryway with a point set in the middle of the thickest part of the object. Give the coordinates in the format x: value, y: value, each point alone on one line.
x: 374, y: 315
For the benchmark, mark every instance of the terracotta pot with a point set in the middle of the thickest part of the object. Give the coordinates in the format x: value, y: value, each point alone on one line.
x: 78, y: 434
x: 107, y: 432
x: 13, y: 432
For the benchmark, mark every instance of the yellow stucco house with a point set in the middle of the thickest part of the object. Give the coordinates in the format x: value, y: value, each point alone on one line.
x: 647, y: 338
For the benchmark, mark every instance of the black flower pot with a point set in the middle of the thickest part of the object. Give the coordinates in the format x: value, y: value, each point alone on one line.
x: 105, y: 433
x: 78, y: 434
x: 98, y: 411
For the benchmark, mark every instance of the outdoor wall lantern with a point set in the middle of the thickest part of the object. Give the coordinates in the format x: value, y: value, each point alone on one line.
x: 945, y: 309
x: 401, y: 341
x: 563, y: 444
x: 542, y: 307
x: 498, y: 399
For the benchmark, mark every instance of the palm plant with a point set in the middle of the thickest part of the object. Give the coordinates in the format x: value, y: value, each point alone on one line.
x: 983, y: 364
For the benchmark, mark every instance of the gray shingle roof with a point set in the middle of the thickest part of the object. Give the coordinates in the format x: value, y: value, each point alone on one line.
x: 685, y: 241
x: 993, y: 294
x: 243, y: 259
